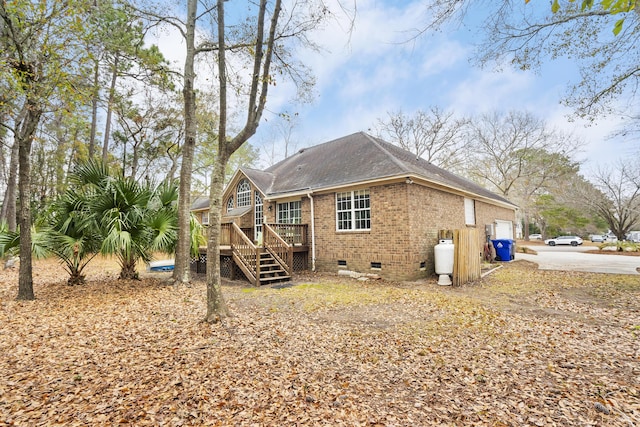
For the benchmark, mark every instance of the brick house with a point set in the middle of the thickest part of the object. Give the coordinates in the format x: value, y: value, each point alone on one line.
x: 356, y: 203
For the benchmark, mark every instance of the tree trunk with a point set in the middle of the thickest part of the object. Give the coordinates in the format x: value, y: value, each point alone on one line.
x: 107, y: 126
x: 25, y: 138
x: 60, y: 155
x: 76, y: 278
x: 135, y: 159
x: 9, y: 204
x: 525, y: 219
x: 216, y: 306
x: 181, y: 272
x: 94, y: 110
x: 128, y: 269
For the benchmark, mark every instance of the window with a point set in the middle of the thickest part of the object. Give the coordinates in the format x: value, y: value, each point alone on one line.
x: 244, y: 193
x: 230, y: 204
x: 353, y: 210
x: 469, y: 211
x: 205, y: 218
x: 290, y: 212
x: 258, y: 216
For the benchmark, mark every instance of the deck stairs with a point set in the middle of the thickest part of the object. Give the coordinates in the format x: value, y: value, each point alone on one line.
x: 271, y: 271
x: 262, y: 265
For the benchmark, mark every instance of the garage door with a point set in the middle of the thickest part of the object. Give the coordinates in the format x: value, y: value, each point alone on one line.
x: 504, y: 229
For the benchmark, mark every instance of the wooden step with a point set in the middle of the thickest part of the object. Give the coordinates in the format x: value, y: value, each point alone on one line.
x: 267, y: 280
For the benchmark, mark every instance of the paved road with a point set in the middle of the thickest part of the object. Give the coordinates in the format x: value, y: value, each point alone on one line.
x: 574, y: 259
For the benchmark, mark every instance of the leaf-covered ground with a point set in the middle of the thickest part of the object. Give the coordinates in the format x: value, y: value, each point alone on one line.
x: 521, y: 347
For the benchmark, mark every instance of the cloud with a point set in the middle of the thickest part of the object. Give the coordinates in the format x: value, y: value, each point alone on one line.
x: 377, y: 65
x: 484, y: 91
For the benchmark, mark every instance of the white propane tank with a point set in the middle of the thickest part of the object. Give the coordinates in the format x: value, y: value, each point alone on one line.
x: 443, y: 254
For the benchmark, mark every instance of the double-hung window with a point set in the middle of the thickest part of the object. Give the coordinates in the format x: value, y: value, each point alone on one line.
x: 290, y: 212
x: 353, y: 210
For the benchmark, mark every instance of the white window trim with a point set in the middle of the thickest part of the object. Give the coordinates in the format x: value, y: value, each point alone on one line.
x: 258, y: 216
x: 469, y: 211
x: 205, y: 218
x: 289, y: 210
x: 353, y: 211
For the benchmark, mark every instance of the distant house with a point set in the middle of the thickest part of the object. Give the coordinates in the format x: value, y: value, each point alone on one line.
x: 356, y: 203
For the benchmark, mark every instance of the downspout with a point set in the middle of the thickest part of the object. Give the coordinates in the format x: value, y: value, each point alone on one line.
x: 313, y: 235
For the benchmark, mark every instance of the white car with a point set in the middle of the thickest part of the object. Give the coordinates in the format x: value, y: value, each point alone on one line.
x: 564, y: 240
x: 535, y: 236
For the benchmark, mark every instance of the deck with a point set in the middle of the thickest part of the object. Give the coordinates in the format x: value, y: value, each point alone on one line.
x: 284, y: 248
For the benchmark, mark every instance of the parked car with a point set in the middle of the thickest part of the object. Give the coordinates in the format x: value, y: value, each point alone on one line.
x: 535, y: 236
x: 597, y: 238
x: 564, y: 240
x: 634, y: 236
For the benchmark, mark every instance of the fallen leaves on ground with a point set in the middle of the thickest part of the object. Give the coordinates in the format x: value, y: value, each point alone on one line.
x: 521, y: 347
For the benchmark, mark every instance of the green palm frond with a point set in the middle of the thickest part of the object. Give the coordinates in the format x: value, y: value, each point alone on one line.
x: 196, y: 235
x: 167, y: 193
x: 92, y: 172
x: 40, y: 248
x: 164, y: 230
x: 40, y: 239
x: 9, y: 242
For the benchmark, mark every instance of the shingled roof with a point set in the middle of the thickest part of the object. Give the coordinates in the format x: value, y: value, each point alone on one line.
x: 351, y: 159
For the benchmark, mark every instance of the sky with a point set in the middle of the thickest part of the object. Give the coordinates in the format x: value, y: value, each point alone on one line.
x: 373, y: 70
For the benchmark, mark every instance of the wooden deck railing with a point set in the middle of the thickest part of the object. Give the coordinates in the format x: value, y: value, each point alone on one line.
x: 293, y: 234
x: 245, y: 253
x: 225, y: 233
x: 278, y: 247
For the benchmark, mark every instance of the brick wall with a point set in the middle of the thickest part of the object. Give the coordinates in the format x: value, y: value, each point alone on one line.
x: 405, y: 219
x: 387, y: 243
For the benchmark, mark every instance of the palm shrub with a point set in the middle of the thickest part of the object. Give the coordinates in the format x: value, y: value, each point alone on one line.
x: 112, y: 215
x: 134, y: 220
x: 73, y: 235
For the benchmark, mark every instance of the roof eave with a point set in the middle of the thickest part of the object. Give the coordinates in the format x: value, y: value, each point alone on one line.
x: 395, y: 178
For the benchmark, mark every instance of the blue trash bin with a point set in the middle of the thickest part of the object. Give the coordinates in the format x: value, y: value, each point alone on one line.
x: 505, y: 249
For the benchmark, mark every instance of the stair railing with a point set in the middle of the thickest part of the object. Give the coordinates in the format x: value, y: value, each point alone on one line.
x: 245, y: 252
x: 282, y: 252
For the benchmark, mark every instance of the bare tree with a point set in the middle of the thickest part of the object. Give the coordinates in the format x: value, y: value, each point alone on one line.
x: 435, y: 135
x: 617, y: 198
x: 258, y: 45
x: 282, y: 140
x: 265, y: 56
x: 518, y: 156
